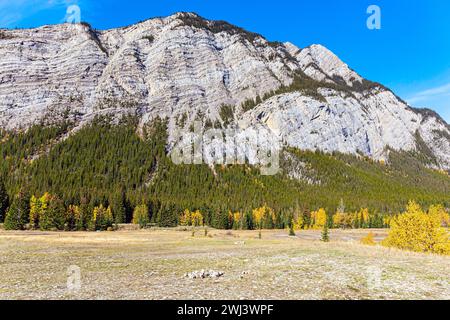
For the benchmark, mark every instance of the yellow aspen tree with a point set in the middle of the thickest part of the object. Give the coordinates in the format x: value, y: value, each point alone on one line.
x: 73, y: 217
x: 319, y: 219
x: 364, y: 218
x: 185, y: 219
x: 197, y: 219
x: 141, y: 216
x: 340, y: 220
x: 237, y: 220
x: 258, y: 215
x: 439, y: 212
x: 37, y: 209
x: 102, y: 218
x: 298, y: 222
x: 418, y: 231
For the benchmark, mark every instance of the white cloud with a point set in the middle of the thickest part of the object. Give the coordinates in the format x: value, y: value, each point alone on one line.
x: 436, y: 98
x: 432, y: 93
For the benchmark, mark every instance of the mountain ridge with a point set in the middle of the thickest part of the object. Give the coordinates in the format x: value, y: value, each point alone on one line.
x: 186, y: 66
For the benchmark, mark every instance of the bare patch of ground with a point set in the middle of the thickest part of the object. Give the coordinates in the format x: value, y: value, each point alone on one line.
x: 152, y: 264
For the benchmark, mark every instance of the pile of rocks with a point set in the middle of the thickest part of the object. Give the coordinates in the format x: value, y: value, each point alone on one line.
x: 202, y: 274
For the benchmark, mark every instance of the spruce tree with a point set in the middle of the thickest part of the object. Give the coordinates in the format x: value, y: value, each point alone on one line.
x: 4, y: 201
x: 291, y: 229
x: 118, y: 206
x: 54, y: 216
x: 325, y: 236
x: 19, y: 212
x: 167, y: 216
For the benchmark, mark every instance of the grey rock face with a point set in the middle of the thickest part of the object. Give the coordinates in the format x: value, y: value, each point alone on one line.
x: 185, y: 67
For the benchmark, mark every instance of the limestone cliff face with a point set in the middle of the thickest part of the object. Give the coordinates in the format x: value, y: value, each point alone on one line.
x: 186, y: 68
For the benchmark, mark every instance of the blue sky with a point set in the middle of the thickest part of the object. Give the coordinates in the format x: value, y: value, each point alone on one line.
x: 410, y: 54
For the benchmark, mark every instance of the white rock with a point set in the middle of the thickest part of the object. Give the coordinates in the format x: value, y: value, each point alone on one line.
x: 165, y: 68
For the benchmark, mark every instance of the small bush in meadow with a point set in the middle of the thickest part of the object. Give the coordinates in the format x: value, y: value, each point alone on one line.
x: 369, y: 240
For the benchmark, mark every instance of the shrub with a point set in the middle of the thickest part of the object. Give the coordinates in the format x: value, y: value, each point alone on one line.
x: 141, y: 216
x: 369, y: 239
x: 418, y: 231
x: 227, y: 114
x: 149, y: 38
x: 4, y: 35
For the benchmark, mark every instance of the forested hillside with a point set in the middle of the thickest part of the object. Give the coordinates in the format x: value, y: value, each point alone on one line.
x: 115, y: 166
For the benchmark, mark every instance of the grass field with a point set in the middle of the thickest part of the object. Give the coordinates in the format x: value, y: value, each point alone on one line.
x: 151, y: 264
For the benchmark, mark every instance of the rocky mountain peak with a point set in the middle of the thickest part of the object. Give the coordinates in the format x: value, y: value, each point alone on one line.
x: 187, y: 68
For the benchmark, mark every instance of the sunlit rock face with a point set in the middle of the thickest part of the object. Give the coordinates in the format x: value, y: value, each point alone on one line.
x: 185, y: 68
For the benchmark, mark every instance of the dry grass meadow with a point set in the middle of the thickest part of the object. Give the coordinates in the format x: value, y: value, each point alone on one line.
x: 152, y: 264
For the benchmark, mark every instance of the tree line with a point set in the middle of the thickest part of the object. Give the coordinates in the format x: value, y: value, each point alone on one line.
x: 114, y: 168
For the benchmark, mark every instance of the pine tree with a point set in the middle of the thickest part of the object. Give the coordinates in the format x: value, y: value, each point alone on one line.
x: 18, y: 214
x: 167, y: 216
x: 325, y: 236
x: 54, y: 216
x: 4, y: 201
x: 118, y: 206
x: 291, y: 229
x: 82, y: 220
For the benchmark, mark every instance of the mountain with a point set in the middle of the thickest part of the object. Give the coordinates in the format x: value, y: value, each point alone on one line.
x: 184, y: 67
x: 94, y: 117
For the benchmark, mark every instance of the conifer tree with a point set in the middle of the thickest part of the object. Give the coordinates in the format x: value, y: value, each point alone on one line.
x: 54, y: 216
x: 291, y: 229
x: 167, y: 216
x: 4, y: 201
x: 17, y: 215
x: 118, y: 206
x: 325, y: 236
